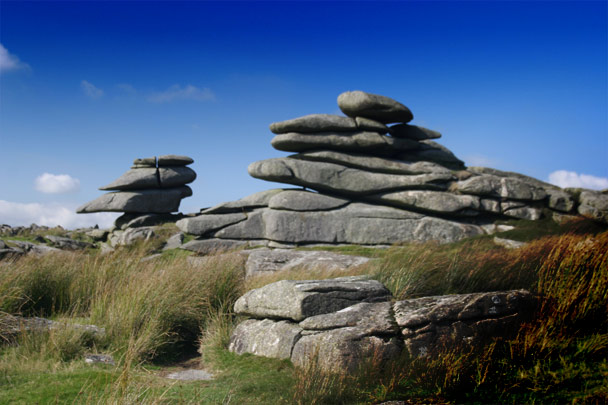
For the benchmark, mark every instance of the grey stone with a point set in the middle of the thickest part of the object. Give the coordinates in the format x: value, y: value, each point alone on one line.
x: 265, y: 338
x: 559, y: 199
x: 145, y: 162
x: 523, y: 212
x: 33, y: 248
x: 371, y: 163
x: 297, y: 200
x: 297, y: 300
x: 135, y: 179
x: 98, y: 234
x: 67, y: 243
x: 315, y: 123
x: 430, y: 323
x: 366, y: 124
x: 508, y: 243
x: 342, y: 141
x: 338, y: 179
x: 2, y: 244
x: 490, y: 205
x: 432, y: 201
x: 174, y: 160
x: 370, y: 318
x: 413, y: 132
x: 344, y: 350
x: 190, y: 375
x: 105, y: 249
x: 174, y: 176
x: 256, y: 200
x: 493, y: 228
x: 594, y: 205
x: 174, y: 241
x: 15, y: 325
x: 433, y: 152
x: 138, y: 220
x: 505, y: 187
x: 362, y: 224
x: 265, y: 261
x: 251, y: 228
x: 99, y: 359
x: 130, y: 236
x: 203, y: 224
x: 142, y: 201
x: 212, y: 246
x: 380, y: 108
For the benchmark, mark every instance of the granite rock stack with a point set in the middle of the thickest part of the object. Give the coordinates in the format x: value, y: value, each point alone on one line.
x: 152, y: 186
x: 374, y: 179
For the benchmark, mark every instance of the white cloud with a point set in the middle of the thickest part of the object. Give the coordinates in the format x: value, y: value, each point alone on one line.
x: 9, y: 61
x: 176, y: 92
x: 25, y: 214
x: 56, y: 183
x: 564, y: 178
x: 90, y: 90
x: 126, y: 88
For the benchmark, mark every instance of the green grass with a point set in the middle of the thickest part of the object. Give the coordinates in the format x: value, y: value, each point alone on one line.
x: 156, y: 311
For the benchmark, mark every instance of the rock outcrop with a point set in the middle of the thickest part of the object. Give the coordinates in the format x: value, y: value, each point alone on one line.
x: 153, y: 185
x: 375, y: 179
x: 342, y: 322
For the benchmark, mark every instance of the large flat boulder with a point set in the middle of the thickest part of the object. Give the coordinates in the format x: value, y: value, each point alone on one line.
x: 343, y: 340
x: 297, y: 300
x: 173, y: 176
x: 594, y: 205
x: 430, y: 323
x: 143, y: 201
x: 430, y: 151
x: 135, y: 179
x: 413, y: 132
x: 267, y: 338
x: 363, y: 224
x: 431, y: 201
x: 371, y: 163
x: 268, y: 261
x: 204, y: 224
x: 380, y: 108
x: 256, y: 200
x: 315, y: 123
x: 342, y: 180
x: 299, y: 200
x: 505, y: 187
x: 362, y: 141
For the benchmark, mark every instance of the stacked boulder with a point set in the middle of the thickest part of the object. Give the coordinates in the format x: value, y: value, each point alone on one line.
x: 344, y: 321
x: 376, y: 180
x: 153, y: 185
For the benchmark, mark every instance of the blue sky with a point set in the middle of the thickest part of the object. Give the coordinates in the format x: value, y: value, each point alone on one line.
x: 86, y: 87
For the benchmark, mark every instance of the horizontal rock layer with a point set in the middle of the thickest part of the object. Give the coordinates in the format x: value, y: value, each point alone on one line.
x: 144, y: 201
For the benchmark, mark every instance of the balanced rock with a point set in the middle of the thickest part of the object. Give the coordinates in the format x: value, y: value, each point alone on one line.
x: 361, y: 141
x: 379, y: 108
x: 413, y: 132
x: 153, y: 185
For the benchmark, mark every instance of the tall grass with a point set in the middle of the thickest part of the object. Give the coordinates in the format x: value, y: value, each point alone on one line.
x: 559, y: 357
x: 150, y: 309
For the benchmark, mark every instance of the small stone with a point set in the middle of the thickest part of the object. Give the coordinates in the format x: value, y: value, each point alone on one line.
x: 174, y: 160
x: 145, y: 162
x: 191, y: 375
x: 266, y: 338
x: 376, y: 107
x: 174, y: 241
x: 99, y: 358
x: 508, y: 243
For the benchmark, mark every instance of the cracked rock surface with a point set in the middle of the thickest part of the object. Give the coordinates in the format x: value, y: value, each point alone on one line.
x: 340, y: 323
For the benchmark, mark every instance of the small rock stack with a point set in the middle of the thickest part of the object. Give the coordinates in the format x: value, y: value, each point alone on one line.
x: 153, y: 185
